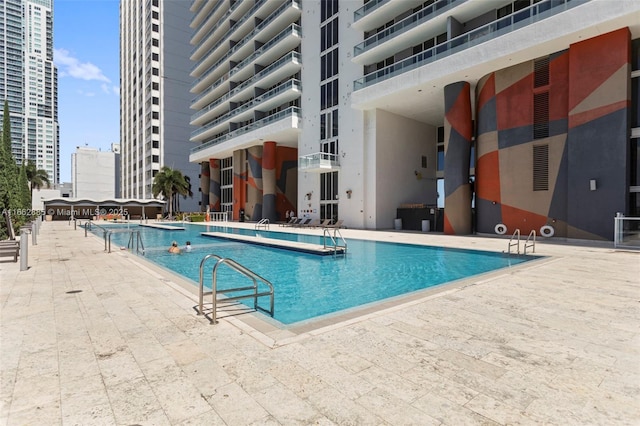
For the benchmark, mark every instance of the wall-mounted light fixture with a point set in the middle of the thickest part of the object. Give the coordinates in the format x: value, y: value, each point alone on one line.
x: 592, y: 184
x: 349, y: 193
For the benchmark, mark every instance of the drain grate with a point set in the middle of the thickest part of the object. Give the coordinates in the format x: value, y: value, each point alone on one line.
x: 74, y: 291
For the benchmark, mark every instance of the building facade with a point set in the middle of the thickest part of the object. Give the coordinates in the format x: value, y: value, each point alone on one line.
x: 524, y: 113
x: 29, y: 82
x: 94, y: 173
x: 154, y: 95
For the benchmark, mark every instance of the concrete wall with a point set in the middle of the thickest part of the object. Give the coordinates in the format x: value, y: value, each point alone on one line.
x: 94, y: 173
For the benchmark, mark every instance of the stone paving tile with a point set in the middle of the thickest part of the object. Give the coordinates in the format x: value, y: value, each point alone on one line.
x: 556, y: 342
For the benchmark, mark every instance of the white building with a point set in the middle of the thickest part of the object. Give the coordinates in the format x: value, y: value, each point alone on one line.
x: 154, y: 95
x: 94, y: 173
x: 29, y: 82
x: 356, y: 110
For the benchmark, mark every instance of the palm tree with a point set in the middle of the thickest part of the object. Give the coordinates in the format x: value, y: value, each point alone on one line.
x: 37, y: 177
x: 169, y: 182
x: 189, y: 193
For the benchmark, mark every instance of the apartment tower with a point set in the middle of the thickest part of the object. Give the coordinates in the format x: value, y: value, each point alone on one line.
x: 154, y: 95
x: 29, y: 82
x: 510, y: 114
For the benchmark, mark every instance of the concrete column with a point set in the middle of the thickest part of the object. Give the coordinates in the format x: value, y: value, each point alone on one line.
x: 204, y: 185
x: 458, y: 130
x: 269, y: 181
x: 214, y: 185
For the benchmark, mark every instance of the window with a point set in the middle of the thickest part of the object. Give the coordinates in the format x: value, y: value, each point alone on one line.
x: 541, y: 167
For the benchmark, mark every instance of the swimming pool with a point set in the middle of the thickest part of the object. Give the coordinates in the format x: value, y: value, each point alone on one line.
x: 307, y: 285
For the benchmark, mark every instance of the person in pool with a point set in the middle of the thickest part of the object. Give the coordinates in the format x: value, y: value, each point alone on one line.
x: 174, y: 248
x: 188, y: 246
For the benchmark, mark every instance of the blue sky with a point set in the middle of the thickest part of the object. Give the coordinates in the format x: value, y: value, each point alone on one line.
x: 86, y: 52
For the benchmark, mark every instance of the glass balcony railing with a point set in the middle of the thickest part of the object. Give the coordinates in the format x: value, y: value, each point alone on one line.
x: 319, y: 161
x: 284, y: 114
x: 405, y: 25
x: 368, y: 7
x: 225, y: 37
x: 288, y: 58
x: 291, y: 29
x: 542, y: 10
x: 288, y: 85
x: 221, y: 21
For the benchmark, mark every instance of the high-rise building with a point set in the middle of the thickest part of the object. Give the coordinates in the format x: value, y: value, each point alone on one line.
x: 154, y: 95
x: 94, y: 173
x: 29, y: 82
x: 513, y: 114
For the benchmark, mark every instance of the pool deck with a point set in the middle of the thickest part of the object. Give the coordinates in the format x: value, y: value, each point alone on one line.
x: 93, y: 338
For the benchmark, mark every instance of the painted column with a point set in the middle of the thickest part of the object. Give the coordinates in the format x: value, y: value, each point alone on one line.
x: 239, y: 182
x: 204, y: 185
x: 457, y: 155
x: 214, y: 185
x: 269, y: 181
x: 253, y: 206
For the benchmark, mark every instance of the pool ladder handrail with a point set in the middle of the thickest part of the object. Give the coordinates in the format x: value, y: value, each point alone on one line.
x: 263, y: 223
x: 214, y: 287
x: 529, y: 243
x: 334, y: 239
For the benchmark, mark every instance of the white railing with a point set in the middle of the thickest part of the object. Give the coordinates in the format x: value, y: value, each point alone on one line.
x: 626, y: 232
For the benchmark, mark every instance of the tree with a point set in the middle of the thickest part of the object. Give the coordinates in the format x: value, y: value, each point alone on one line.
x: 37, y: 177
x: 169, y: 183
x: 10, y: 196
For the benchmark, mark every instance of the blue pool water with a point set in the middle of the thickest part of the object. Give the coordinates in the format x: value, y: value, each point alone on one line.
x: 307, y: 285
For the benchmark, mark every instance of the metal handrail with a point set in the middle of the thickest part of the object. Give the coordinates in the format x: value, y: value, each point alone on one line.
x: 326, y: 232
x: 263, y: 223
x: 531, y: 242
x: 214, y: 287
x: 517, y: 243
x: 89, y: 224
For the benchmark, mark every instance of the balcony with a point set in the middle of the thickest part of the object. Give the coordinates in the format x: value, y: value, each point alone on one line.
x: 376, y: 12
x: 508, y: 24
x: 279, y: 95
x: 320, y: 162
x: 289, y: 113
x: 406, y: 25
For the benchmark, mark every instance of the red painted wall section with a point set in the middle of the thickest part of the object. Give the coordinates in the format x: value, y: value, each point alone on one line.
x: 488, y: 177
x: 514, y: 105
x: 594, y: 60
x: 558, y: 88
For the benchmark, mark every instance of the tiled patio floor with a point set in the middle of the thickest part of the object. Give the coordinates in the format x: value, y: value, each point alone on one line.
x: 92, y: 338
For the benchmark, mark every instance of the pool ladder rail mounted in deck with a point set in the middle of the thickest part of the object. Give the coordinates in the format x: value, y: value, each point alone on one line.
x: 215, y: 292
x: 134, y: 244
x: 514, y: 241
x: 263, y: 223
x: 326, y: 233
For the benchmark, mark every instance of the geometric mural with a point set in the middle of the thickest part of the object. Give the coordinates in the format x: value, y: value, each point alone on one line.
x: 586, y: 139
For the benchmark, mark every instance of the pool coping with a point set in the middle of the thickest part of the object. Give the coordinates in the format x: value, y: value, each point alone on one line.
x: 281, y: 244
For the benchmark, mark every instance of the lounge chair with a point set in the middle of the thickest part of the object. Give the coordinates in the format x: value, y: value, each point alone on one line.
x: 290, y: 222
x: 338, y: 224
x: 325, y: 223
x: 314, y: 223
x: 303, y: 223
x: 295, y: 222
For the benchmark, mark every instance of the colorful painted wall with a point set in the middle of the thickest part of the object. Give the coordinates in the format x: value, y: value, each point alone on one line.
x: 588, y: 134
x: 265, y: 182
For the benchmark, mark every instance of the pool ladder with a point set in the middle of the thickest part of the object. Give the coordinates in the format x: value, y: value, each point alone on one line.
x: 263, y: 223
x: 514, y: 241
x: 334, y: 241
x: 215, y: 292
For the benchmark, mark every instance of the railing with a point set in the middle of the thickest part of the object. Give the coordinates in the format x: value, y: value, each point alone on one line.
x: 368, y: 7
x: 219, y: 216
x: 214, y: 287
x: 291, y: 111
x: 88, y: 225
x: 516, y: 20
x: 291, y: 84
x: 326, y: 233
x: 516, y: 235
x: 626, y: 232
x: 322, y: 160
x: 263, y: 223
x: 405, y: 25
x: 531, y: 242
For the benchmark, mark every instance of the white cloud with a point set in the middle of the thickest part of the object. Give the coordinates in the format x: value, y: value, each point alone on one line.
x: 83, y: 93
x: 116, y: 90
x: 68, y: 65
